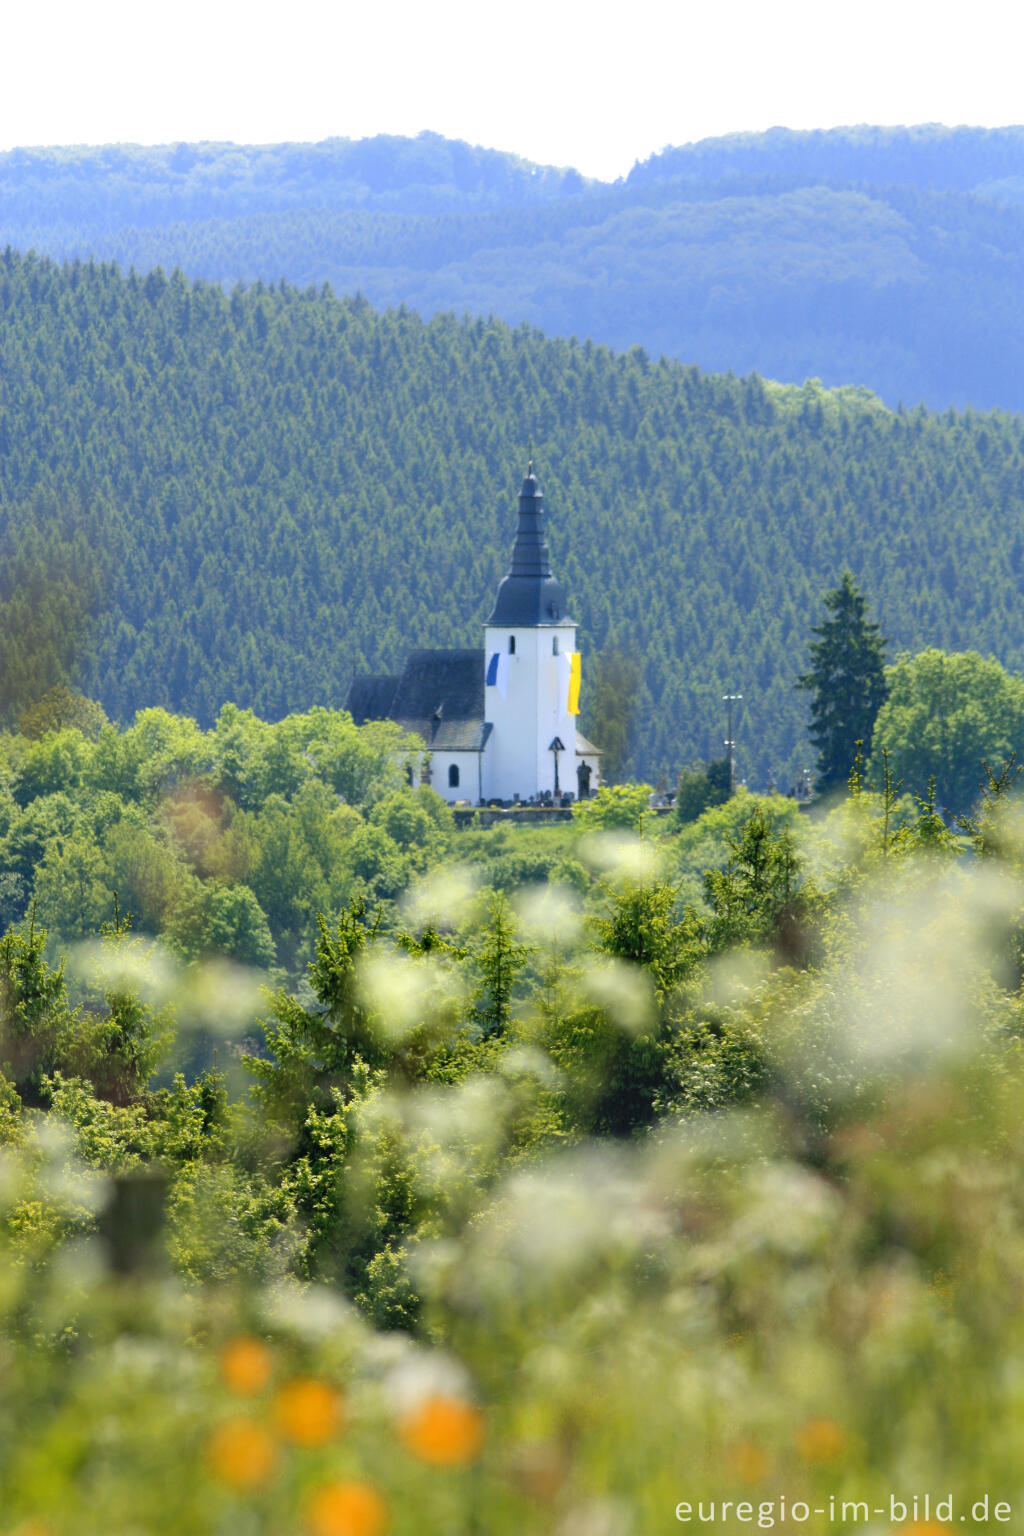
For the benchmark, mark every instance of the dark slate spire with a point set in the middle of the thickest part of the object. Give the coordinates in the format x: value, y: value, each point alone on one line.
x: 529, y: 595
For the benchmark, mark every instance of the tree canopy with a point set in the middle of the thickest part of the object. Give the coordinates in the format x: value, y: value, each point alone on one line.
x: 946, y: 717
x: 846, y: 681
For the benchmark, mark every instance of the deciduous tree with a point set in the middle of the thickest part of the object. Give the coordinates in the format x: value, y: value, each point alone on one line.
x: 946, y: 717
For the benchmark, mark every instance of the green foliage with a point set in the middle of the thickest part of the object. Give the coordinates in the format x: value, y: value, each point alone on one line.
x: 62, y: 709
x: 614, y: 807
x: 642, y: 928
x: 986, y: 828
x: 847, y: 682
x: 117, y: 1047
x: 49, y: 594
x: 706, y: 843
x: 611, y: 710
x: 421, y: 825
x: 36, y: 1023
x: 500, y: 961
x: 713, y: 1063
x: 701, y: 788
x: 614, y: 1053
x: 151, y: 814
x: 950, y: 718
x: 73, y: 889
x: 221, y: 920
x: 759, y: 898
x: 313, y: 1050
x: 227, y: 1224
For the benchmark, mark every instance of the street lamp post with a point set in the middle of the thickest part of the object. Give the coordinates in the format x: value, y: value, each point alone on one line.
x: 729, y: 699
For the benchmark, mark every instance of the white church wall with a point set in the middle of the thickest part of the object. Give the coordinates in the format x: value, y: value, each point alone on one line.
x: 518, y: 759
x: 468, y: 768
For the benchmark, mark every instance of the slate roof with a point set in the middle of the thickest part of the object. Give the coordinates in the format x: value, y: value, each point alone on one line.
x: 369, y: 697
x: 440, y: 696
x: 455, y: 735
x: 452, y: 681
x: 530, y: 595
x: 585, y: 748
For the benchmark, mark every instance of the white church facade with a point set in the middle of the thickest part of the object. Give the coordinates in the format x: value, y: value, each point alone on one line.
x: 499, y: 723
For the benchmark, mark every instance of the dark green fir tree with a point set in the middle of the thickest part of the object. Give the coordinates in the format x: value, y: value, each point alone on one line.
x: 846, y: 681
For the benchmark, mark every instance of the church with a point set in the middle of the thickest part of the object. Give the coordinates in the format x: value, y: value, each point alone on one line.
x: 499, y: 723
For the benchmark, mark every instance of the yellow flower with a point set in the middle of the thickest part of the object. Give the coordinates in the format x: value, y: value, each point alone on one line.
x: 446, y: 1431
x: 347, y: 1509
x: 748, y: 1462
x: 309, y: 1412
x: 245, y: 1365
x: 241, y: 1454
x: 820, y: 1440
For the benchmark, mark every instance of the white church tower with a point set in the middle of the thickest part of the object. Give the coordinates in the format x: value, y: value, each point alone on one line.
x: 529, y: 646
x: 498, y: 724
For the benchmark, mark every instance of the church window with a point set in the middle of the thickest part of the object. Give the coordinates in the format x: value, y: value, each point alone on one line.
x: 453, y: 776
x: 554, y: 645
x: 511, y: 645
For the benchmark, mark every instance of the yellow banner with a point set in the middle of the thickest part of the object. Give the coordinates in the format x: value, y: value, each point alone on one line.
x: 574, y: 683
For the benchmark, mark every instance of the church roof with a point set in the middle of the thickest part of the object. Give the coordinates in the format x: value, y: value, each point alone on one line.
x: 451, y: 682
x: 530, y: 595
x: 369, y: 697
x: 439, y: 696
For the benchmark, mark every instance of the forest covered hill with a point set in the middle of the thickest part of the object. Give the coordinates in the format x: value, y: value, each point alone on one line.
x: 250, y: 496
x: 892, y: 258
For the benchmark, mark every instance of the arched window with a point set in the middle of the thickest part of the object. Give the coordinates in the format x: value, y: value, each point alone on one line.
x: 453, y: 776
x: 554, y: 645
x: 511, y: 645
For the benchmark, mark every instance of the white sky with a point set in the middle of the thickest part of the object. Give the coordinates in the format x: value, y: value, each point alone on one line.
x: 564, y: 82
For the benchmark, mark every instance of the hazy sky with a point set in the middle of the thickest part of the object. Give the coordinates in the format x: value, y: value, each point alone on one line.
x: 569, y: 83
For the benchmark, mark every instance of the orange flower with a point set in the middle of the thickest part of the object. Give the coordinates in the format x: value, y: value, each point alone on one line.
x: 748, y: 1462
x: 820, y: 1440
x: 444, y: 1430
x: 308, y: 1411
x: 926, y: 1528
x: 246, y: 1365
x: 347, y: 1509
x: 241, y: 1454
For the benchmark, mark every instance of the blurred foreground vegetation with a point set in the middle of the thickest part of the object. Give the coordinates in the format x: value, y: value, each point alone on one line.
x: 581, y: 1172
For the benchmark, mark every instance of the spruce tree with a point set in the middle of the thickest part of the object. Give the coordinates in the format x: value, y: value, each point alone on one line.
x: 846, y: 680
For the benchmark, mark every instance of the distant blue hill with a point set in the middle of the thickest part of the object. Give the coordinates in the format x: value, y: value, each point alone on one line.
x: 890, y: 257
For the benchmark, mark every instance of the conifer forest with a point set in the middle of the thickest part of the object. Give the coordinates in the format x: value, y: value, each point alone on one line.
x: 250, y: 496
